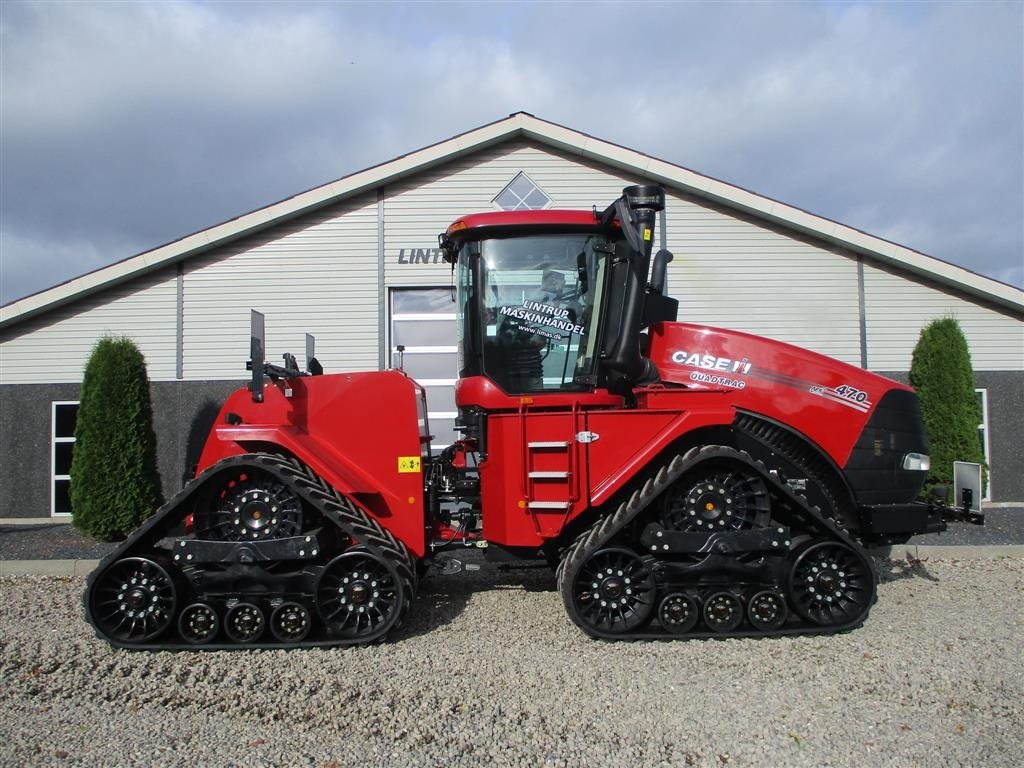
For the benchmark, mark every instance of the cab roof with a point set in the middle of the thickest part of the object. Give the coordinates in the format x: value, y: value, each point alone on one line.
x: 545, y: 218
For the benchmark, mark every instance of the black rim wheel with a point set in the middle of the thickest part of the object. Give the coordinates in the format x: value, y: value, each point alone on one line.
x: 359, y: 595
x: 723, y: 500
x: 767, y: 611
x: 198, y: 623
x: 251, y: 506
x: 678, y: 613
x: 290, y: 622
x: 830, y: 585
x: 723, y: 612
x: 614, y: 591
x: 134, y: 600
x: 244, y: 623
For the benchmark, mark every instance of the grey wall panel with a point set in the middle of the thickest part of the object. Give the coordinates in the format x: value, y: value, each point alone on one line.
x: 182, y: 415
x: 25, y: 450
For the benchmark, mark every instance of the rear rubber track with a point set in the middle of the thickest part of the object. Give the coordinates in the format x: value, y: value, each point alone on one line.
x: 333, y: 507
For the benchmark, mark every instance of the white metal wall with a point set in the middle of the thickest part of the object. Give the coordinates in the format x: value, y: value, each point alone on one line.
x: 898, y: 307
x: 317, y: 274
x: 55, y: 347
x: 321, y: 273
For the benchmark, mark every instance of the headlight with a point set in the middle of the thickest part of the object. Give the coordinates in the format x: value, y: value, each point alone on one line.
x: 917, y: 461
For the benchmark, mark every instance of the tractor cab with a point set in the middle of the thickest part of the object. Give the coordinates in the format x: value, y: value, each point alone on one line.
x: 554, y: 301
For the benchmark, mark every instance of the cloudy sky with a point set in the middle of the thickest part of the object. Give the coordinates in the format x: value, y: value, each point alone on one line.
x: 126, y: 125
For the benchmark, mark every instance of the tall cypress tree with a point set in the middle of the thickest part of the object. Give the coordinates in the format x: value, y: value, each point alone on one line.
x: 114, y: 480
x: 942, y: 375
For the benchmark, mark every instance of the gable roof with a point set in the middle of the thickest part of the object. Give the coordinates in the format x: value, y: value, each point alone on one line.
x: 524, y: 125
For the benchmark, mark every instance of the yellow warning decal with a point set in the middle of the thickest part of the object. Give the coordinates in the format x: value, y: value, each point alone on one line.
x: 408, y: 464
x: 647, y: 234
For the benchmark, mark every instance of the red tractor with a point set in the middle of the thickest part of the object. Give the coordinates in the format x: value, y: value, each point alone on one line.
x: 683, y: 481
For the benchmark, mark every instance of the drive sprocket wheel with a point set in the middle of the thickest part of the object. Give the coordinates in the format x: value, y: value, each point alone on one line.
x: 723, y: 498
x: 359, y: 596
x: 613, y: 591
x: 830, y: 584
x: 133, y: 600
x: 251, y: 505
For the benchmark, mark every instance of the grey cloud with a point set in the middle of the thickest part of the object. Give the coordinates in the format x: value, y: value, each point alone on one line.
x: 125, y: 126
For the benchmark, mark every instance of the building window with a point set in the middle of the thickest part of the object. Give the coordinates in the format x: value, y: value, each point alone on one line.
x: 65, y: 415
x: 423, y: 322
x: 983, y: 438
x: 522, y: 194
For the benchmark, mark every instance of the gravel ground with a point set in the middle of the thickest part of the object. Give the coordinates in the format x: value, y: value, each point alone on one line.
x: 488, y: 670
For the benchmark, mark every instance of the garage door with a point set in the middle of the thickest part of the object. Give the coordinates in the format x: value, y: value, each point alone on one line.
x: 423, y: 321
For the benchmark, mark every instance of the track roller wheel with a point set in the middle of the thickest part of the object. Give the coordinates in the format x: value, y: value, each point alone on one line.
x: 723, y: 612
x: 244, y: 623
x: 678, y: 613
x: 252, y: 505
x: 830, y: 584
x: 134, y: 600
x: 359, y: 596
x: 198, y: 624
x: 767, y: 611
x: 290, y: 622
x: 614, y: 591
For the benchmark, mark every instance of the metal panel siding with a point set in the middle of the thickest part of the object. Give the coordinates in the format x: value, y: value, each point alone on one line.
x: 898, y: 307
x: 734, y: 272
x: 55, y: 347
x: 316, y: 274
x: 728, y: 270
x: 418, y: 209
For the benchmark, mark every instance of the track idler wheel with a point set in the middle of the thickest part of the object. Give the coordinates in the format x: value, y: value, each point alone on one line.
x: 359, y: 596
x: 766, y: 610
x: 198, y: 624
x: 614, y: 591
x: 719, y: 499
x: 678, y: 613
x: 290, y: 622
x: 133, y: 600
x: 723, y: 612
x: 251, y: 505
x: 244, y: 623
x: 830, y: 585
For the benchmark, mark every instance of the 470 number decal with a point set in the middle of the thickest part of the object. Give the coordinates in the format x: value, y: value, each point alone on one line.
x: 844, y: 395
x: 852, y: 393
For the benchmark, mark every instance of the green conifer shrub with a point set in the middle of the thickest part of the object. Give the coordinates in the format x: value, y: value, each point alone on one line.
x: 942, y: 375
x: 114, y: 480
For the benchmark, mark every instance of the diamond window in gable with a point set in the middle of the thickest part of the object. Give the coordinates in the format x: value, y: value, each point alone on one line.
x: 522, y: 194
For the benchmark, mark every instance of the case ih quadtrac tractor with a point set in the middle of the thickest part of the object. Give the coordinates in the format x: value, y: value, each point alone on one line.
x: 683, y: 480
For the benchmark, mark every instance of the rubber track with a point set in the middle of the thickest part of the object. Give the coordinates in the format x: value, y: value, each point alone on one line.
x: 333, y: 506
x: 604, y: 530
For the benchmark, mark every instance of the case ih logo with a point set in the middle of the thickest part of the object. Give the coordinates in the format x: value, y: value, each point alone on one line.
x: 420, y: 256
x: 711, y: 362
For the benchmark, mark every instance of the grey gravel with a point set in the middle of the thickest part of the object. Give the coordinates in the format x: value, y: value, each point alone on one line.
x: 490, y: 671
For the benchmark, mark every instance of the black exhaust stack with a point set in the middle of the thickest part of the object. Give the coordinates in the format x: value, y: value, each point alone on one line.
x: 636, y: 212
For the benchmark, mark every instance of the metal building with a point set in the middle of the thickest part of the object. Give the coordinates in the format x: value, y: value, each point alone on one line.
x: 355, y: 262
